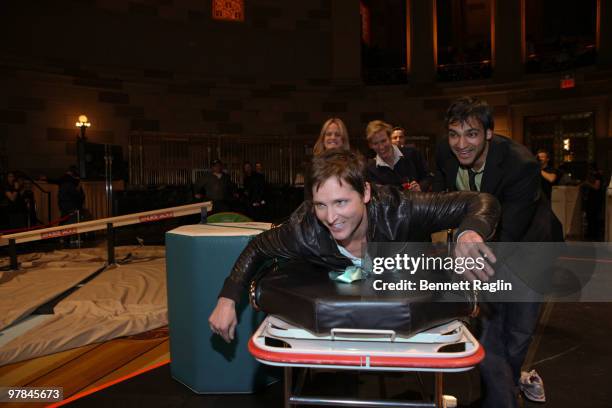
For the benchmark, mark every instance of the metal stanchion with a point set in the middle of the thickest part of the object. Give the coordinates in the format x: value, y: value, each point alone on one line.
x: 110, y: 243
x: 29, y: 209
x: 78, y: 241
x: 108, y: 178
x: 13, y: 254
x: 608, y: 213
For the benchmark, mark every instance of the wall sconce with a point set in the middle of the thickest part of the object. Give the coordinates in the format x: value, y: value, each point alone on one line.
x: 568, y: 156
x: 83, y: 124
x: 566, y: 145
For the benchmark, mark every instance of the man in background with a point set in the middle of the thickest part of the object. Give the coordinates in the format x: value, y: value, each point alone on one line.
x: 398, y: 137
x: 254, y: 189
x: 70, y: 196
x: 547, y: 172
x: 401, y: 167
x: 215, y: 186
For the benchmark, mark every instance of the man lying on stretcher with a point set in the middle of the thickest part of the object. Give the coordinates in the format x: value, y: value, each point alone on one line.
x: 345, y: 213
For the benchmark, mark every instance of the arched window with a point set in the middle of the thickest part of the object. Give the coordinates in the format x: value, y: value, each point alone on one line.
x: 568, y: 138
x: 383, y: 41
x: 559, y: 34
x: 463, y: 39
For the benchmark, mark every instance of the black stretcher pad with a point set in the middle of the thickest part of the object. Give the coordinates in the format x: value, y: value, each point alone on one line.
x: 306, y: 297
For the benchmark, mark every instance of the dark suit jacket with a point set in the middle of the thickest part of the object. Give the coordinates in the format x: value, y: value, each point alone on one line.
x: 410, y: 167
x: 512, y: 175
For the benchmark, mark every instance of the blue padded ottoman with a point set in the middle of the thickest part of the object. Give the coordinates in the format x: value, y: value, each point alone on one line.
x: 198, y: 259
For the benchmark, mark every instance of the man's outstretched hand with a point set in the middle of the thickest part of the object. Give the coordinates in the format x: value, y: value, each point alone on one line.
x: 471, y: 245
x: 223, y: 320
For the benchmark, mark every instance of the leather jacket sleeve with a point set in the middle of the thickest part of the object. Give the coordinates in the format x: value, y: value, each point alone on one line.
x: 393, y: 216
x: 292, y: 239
x: 411, y: 216
x: 462, y: 210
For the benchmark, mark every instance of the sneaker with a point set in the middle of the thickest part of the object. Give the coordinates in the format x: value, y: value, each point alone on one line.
x: 532, y: 386
x: 449, y: 401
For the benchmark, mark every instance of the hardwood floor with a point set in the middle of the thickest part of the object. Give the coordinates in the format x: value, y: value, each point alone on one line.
x: 88, y: 367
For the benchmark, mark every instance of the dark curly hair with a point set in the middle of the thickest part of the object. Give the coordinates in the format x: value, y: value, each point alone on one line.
x: 468, y: 107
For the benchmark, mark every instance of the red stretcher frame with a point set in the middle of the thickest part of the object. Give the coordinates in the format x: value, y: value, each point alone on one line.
x: 355, y: 361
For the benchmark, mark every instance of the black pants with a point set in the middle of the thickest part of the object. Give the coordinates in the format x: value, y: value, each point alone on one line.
x: 506, y: 335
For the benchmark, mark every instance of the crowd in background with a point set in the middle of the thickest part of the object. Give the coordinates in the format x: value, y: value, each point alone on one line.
x: 17, y: 204
x: 396, y: 162
x: 249, y: 199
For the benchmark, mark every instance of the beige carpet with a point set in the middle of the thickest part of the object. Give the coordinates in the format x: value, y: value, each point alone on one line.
x: 122, y: 300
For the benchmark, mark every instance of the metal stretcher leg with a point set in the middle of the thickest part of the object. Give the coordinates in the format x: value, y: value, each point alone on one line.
x: 381, y: 385
x: 438, y: 385
x: 424, y: 394
x: 337, y: 402
x: 288, y: 386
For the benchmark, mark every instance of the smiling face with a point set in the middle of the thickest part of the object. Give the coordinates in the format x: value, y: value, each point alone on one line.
x: 380, y: 142
x: 469, y: 142
x: 332, y: 139
x: 398, y: 138
x: 342, y: 210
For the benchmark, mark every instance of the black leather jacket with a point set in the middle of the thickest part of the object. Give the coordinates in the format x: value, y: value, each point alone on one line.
x: 393, y: 216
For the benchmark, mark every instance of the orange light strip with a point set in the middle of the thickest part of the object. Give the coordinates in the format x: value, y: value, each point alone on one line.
x: 523, y: 18
x: 598, y: 25
x: 366, y: 34
x: 408, y: 36
x: 435, y: 33
x: 108, y: 384
x: 493, y: 4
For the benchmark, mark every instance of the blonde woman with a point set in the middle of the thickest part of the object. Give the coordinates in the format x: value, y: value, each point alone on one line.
x: 333, y: 136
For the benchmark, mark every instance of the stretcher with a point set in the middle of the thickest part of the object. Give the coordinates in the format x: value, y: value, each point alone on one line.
x: 446, y: 348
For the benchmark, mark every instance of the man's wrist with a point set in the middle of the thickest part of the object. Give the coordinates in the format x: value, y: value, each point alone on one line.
x: 462, y: 233
x: 226, y: 301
